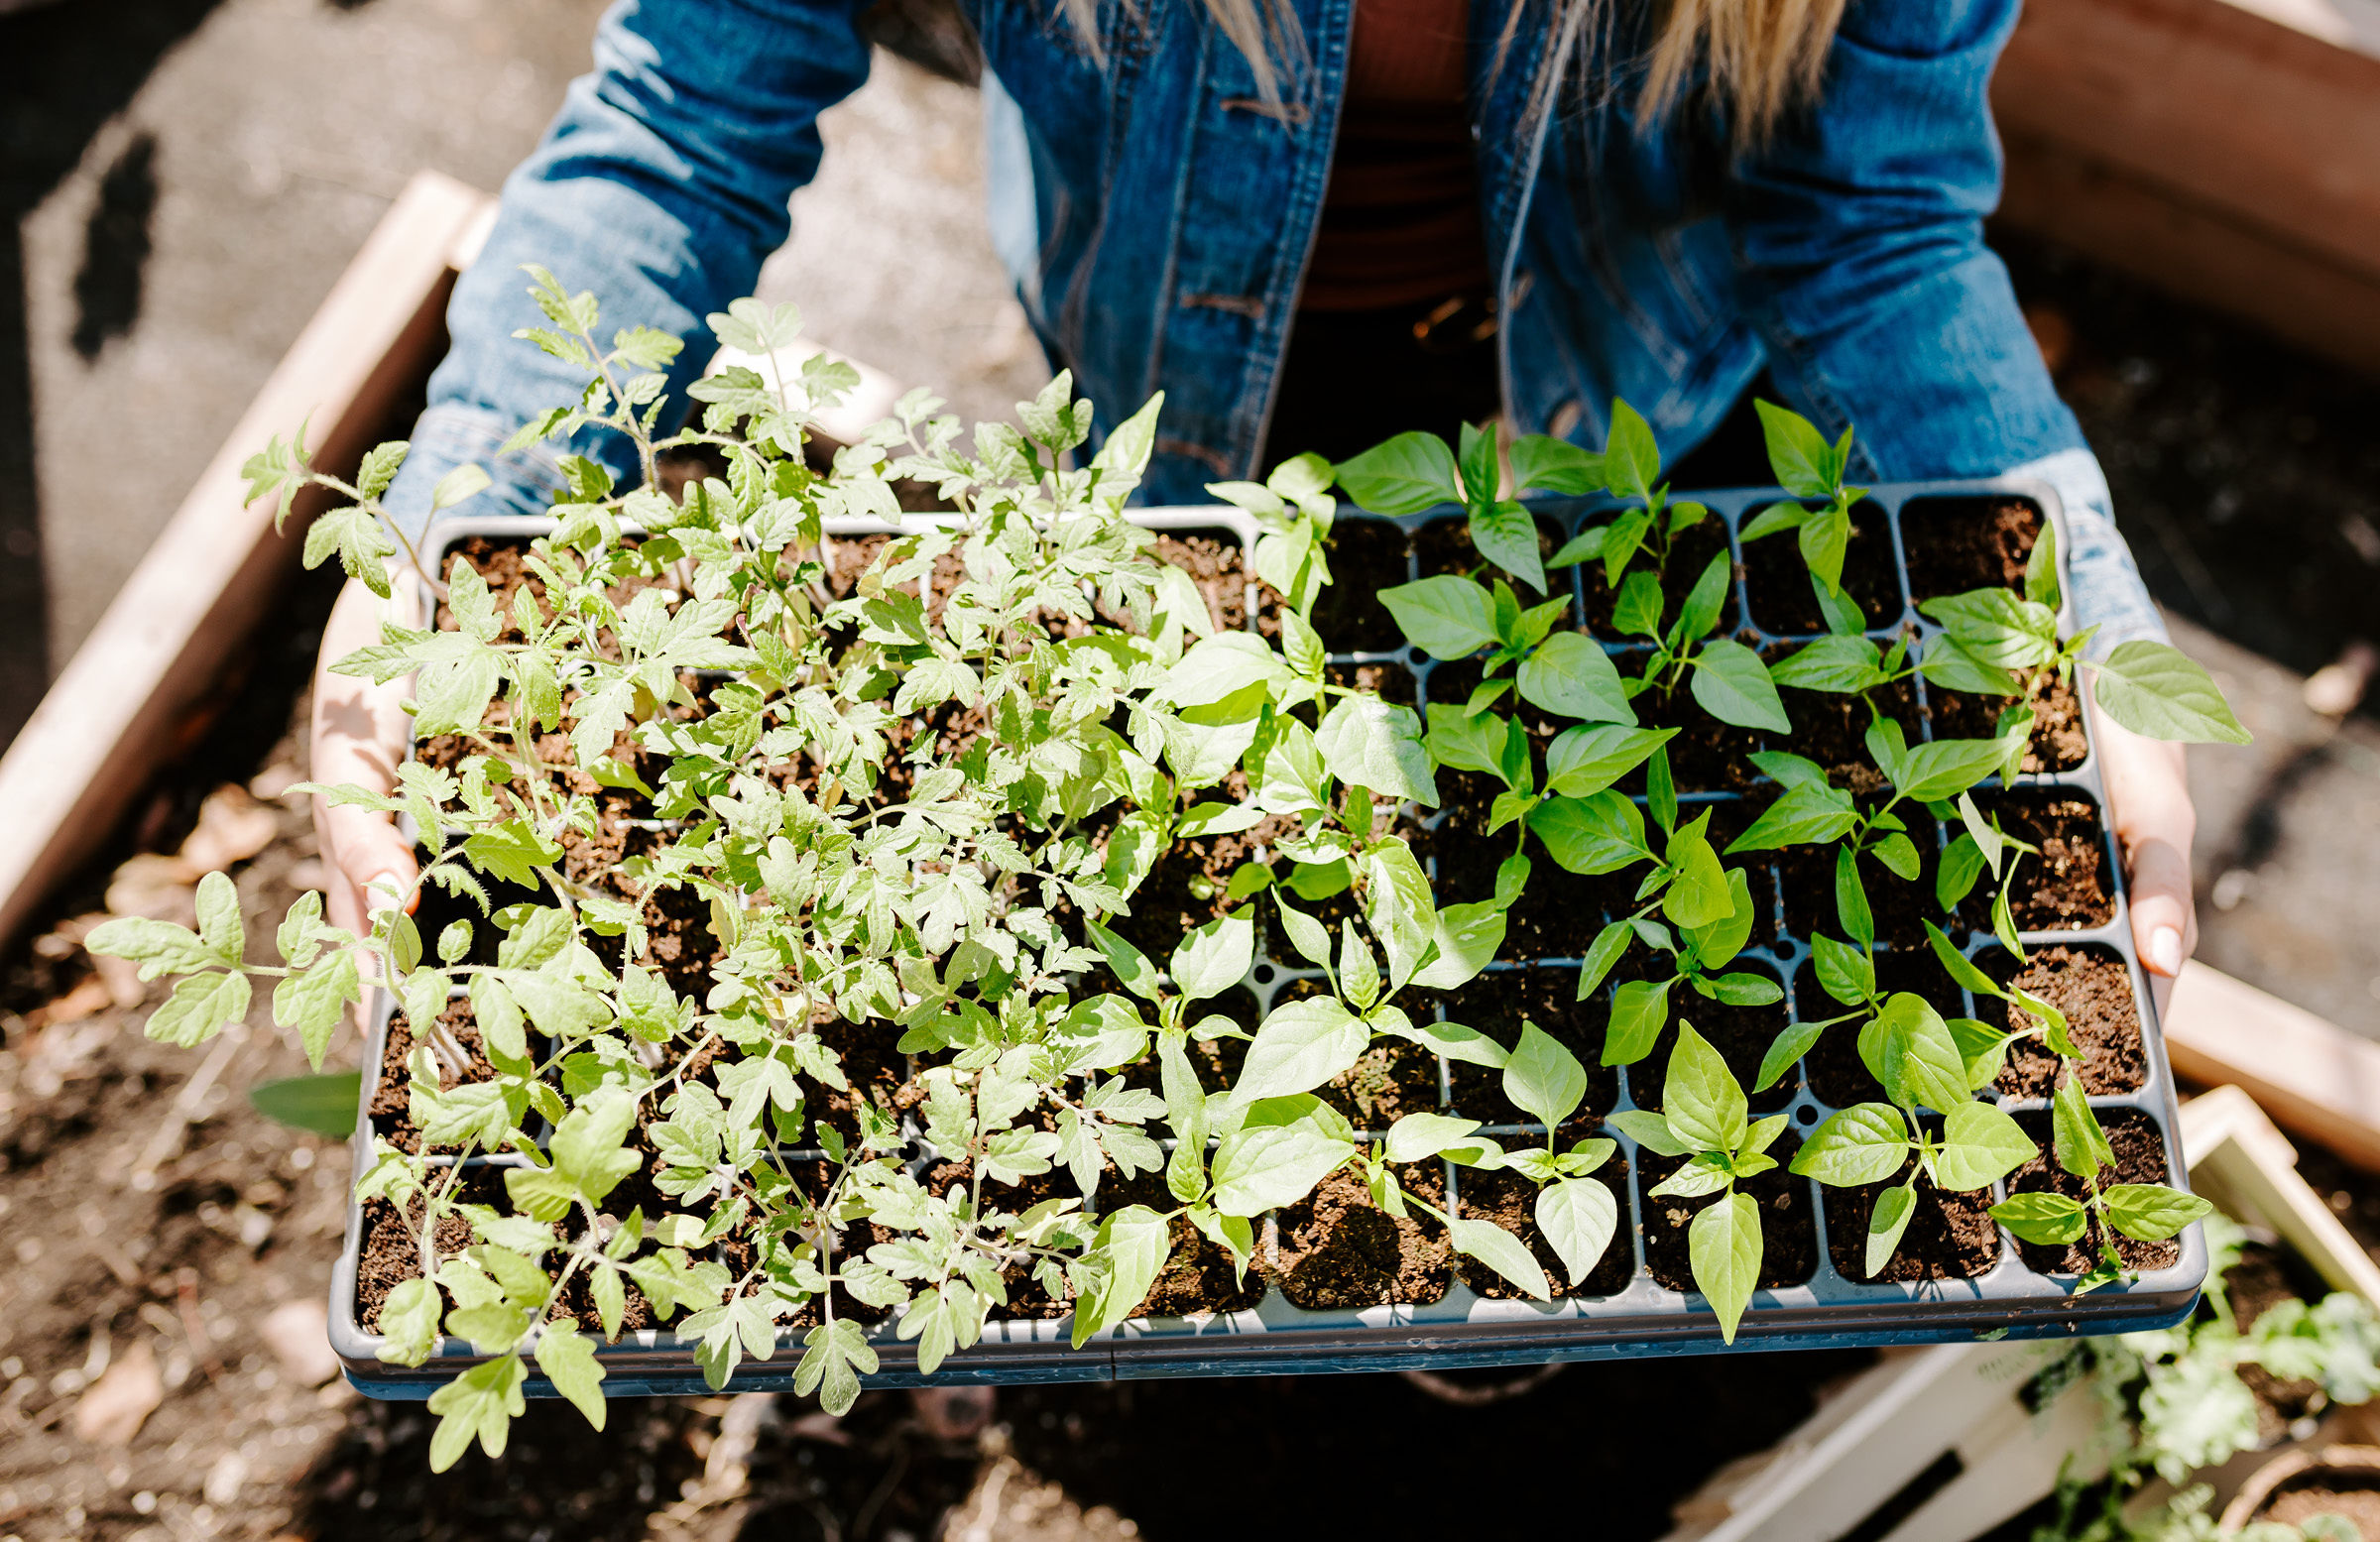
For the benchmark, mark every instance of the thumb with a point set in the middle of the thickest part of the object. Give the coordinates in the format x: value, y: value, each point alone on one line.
x: 2163, y: 928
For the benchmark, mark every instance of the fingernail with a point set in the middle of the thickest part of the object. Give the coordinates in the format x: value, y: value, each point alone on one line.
x: 2165, y: 950
x: 384, y: 891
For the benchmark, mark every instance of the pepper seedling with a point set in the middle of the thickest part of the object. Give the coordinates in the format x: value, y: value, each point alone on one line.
x: 1704, y: 1119
x: 2143, y: 1211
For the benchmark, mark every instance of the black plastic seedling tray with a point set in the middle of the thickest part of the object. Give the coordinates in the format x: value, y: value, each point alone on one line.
x: 1463, y: 1328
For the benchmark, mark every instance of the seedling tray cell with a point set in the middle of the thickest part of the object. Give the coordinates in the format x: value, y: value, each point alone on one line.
x: 1823, y: 1308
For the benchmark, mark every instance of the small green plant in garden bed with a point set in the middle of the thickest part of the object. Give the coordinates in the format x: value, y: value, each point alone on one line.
x: 912, y: 793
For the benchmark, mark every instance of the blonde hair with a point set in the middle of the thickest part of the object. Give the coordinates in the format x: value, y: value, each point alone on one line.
x: 1759, y: 59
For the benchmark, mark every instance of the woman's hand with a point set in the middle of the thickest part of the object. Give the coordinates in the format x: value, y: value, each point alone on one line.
x: 2149, y: 797
x: 359, y: 737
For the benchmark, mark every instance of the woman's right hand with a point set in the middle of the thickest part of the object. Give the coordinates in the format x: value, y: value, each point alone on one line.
x: 359, y: 737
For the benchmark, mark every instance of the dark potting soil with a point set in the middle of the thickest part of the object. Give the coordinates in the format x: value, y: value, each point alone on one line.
x: 1740, y: 1035
x: 1186, y: 889
x: 1338, y: 1252
x: 1511, y: 1201
x: 1496, y: 1003
x: 2261, y: 1278
x: 1389, y: 1079
x: 1558, y: 912
x: 1705, y: 756
x: 2139, y: 1158
x: 1695, y: 545
x: 2058, y: 744
x: 1949, y: 1236
x: 1385, y: 678
x: 1789, y: 1238
x: 1901, y: 906
x: 392, y: 1096
x: 1451, y: 685
x: 2068, y: 886
x: 1837, y: 1076
x: 873, y: 1064
x: 1367, y: 555
x: 1198, y: 1276
x: 391, y: 1249
x: 1777, y: 581
x: 1954, y: 545
x: 1832, y: 729
x: 2093, y: 986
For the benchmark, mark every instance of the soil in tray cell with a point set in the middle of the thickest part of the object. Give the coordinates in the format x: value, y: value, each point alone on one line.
x: 1511, y: 1201
x: 1198, y: 1276
x: 1220, y: 569
x: 1949, y: 1236
x: 2093, y: 987
x: 1954, y: 545
x: 1778, y: 582
x: 1789, y: 1238
x: 1695, y: 548
x: 392, y: 1096
x: 1444, y: 547
x: 1740, y: 1035
x: 2139, y: 1158
x: 1338, y: 1252
x: 2070, y: 885
x: 1496, y: 1002
x: 2058, y: 743
x: 1837, y: 1076
x: 1832, y: 729
x: 1392, y: 1078
x: 1705, y: 756
x: 1367, y: 555
x: 1558, y: 913
x: 1383, y: 678
x: 1901, y: 906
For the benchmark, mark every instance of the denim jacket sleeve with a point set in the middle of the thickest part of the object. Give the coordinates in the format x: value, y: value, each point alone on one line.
x: 661, y: 186
x: 1861, y: 261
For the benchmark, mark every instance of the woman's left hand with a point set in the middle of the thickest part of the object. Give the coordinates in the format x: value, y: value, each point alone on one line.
x: 2149, y: 797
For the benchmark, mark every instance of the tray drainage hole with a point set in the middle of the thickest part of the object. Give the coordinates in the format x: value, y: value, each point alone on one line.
x: 1416, y: 657
x: 1806, y: 1114
x: 1262, y: 974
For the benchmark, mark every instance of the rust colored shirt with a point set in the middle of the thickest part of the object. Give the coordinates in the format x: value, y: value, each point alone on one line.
x: 1400, y: 222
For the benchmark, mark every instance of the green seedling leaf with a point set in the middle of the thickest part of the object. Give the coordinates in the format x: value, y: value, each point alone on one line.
x: 2152, y: 1211
x: 1910, y: 1050
x: 1582, y: 762
x: 1214, y: 957
x: 1446, y: 617
x: 1786, y: 1051
x: 1843, y: 665
x: 1369, y: 742
x: 1501, y: 1252
x: 2155, y: 690
x: 2041, y: 569
x: 1571, y: 676
x: 1825, y: 539
x: 1700, y: 1097
x: 1845, y: 973
x: 1639, y: 1012
x: 1637, y: 611
x: 1578, y: 1218
x: 1798, y: 454
x: 1980, y: 1146
x: 1553, y: 466
x: 1271, y: 1165
x: 2050, y: 1220
x: 1723, y: 1248
x: 1806, y: 814
x: 1300, y: 1046
x: 1506, y: 534
x: 1602, y: 953
x: 1707, y: 599
x: 1865, y: 1144
x: 2080, y: 1144
x: 324, y: 1105
x: 1600, y: 833
x: 1852, y: 910
x: 1405, y: 475
x: 1732, y: 686
x: 1543, y: 1079
x: 1885, y: 1225
x: 1631, y: 460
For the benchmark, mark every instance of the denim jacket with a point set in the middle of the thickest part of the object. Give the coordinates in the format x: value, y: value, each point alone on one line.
x: 1157, y: 214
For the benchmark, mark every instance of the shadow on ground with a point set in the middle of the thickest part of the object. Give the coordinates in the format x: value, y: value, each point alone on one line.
x: 70, y: 67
